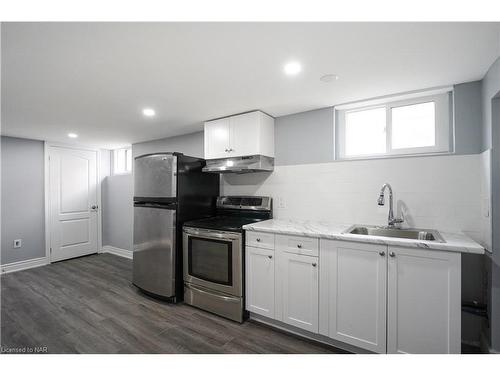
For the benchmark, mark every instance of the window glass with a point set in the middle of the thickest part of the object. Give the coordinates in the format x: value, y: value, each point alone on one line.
x: 365, y: 132
x: 122, y: 161
x: 414, y: 126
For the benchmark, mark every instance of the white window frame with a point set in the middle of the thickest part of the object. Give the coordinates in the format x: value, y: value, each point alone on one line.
x: 114, y: 161
x: 443, y: 124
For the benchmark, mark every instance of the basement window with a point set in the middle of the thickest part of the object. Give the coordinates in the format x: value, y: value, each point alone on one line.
x: 122, y: 161
x: 404, y: 125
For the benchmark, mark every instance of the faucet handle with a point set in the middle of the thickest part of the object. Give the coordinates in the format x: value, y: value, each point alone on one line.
x: 399, y: 220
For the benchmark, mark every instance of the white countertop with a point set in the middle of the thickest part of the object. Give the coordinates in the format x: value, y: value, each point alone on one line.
x: 457, y: 242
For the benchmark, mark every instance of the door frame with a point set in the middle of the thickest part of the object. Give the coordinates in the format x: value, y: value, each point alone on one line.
x: 46, y: 147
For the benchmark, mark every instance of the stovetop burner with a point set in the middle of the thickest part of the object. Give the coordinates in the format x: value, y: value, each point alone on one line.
x: 234, y: 212
x: 223, y: 223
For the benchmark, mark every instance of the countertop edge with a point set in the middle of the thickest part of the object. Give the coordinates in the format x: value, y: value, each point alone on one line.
x: 425, y: 245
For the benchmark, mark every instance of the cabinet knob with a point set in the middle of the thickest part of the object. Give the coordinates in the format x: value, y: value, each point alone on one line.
x: 314, y: 264
x: 381, y: 253
x: 299, y: 246
x: 231, y: 150
x: 94, y: 207
x: 226, y: 150
x: 257, y: 239
x: 392, y: 254
x: 270, y: 256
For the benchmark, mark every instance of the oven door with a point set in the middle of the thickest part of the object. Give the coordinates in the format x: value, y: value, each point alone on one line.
x: 213, y: 259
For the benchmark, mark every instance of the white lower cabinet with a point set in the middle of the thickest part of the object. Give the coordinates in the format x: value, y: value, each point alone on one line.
x: 259, y: 264
x: 297, y: 290
x: 424, y: 301
x: 379, y: 298
x: 353, y: 280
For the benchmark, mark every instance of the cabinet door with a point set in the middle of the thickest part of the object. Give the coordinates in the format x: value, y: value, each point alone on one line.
x: 259, y: 270
x: 245, y: 134
x: 298, y: 290
x: 353, y: 293
x: 423, y: 301
x: 217, y: 135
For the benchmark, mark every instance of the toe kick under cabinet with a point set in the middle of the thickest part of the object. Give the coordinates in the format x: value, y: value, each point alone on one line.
x: 380, y: 298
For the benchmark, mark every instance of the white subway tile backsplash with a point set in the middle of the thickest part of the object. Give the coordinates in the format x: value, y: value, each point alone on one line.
x: 442, y: 192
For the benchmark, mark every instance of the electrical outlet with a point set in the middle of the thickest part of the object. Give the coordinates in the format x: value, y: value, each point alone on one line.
x: 18, y: 244
x: 281, y: 202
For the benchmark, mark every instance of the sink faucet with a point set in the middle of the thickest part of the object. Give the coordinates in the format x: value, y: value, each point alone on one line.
x: 391, y: 220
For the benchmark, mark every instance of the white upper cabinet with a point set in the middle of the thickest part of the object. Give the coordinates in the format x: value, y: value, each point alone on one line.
x: 241, y: 135
x: 353, y: 293
x: 424, y: 294
x: 217, y: 133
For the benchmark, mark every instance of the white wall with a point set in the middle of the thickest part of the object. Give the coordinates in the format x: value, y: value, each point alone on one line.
x: 440, y: 192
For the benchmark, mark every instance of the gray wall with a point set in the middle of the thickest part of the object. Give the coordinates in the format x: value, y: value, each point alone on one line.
x: 23, y: 214
x: 308, y: 137
x: 468, y: 118
x: 118, y: 211
x: 490, y: 87
x: 189, y: 144
x: 491, y: 139
x: 304, y: 138
x: 492, y: 96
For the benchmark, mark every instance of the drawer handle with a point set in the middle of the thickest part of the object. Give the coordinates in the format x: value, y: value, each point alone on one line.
x: 257, y: 239
x: 270, y: 256
x: 314, y: 264
x: 382, y: 253
x: 299, y: 246
x: 392, y: 254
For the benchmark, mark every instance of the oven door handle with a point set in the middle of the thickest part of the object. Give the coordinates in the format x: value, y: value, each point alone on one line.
x: 212, y: 234
x: 202, y: 291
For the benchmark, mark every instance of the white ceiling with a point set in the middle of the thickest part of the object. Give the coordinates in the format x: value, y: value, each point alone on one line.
x: 94, y: 78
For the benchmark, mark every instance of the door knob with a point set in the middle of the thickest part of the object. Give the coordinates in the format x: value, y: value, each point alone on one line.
x: 392, y: 254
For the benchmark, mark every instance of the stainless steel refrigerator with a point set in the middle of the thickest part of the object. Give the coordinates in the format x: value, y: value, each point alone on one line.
x: 169, y: 188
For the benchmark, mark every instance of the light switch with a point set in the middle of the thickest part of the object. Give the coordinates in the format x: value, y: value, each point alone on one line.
x: 281, y: 202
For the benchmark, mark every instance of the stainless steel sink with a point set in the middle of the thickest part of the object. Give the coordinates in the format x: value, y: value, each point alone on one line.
x: 407, y: 233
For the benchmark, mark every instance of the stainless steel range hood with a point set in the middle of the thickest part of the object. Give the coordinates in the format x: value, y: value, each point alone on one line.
x: 242, y: 164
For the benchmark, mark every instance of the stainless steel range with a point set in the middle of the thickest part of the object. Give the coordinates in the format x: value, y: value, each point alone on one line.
x: 214, y: 255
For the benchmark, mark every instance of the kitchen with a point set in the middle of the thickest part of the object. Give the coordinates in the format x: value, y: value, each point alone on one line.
x: 330, y: 207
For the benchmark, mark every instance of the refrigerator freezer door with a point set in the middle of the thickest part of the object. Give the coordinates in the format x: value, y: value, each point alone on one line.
x: 154, y: 249
x: 155, y: 176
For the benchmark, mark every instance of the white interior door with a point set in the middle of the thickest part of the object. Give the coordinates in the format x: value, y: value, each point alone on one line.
x: 72, y: 202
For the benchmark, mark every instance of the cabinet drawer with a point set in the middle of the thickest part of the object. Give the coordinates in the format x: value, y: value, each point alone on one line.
x: 298, y: 245
x: 260, y: 239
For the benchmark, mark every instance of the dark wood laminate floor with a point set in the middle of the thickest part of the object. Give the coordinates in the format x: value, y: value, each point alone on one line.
x: 88, y: 305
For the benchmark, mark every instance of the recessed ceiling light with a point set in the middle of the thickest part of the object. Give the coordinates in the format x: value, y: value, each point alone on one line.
x: 292, y: 68
x: 148, y: 112
x: 72, y: 135
x: 329, y: 78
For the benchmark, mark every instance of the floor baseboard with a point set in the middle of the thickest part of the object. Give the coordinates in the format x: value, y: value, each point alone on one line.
x: 117, y: 251
x: 23, y: 265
